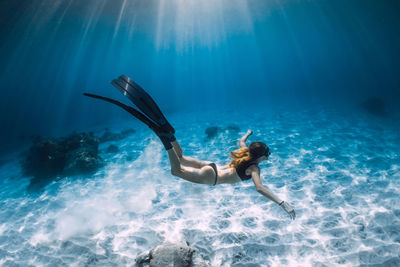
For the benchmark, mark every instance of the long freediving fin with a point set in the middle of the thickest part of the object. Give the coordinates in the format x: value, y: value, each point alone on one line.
x: 131, y: 110
x: 142, y: 100
x: 165, y: 138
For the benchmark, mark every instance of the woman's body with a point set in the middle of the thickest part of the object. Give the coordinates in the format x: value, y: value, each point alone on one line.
x: 201, y: 172
x: 243, y: 167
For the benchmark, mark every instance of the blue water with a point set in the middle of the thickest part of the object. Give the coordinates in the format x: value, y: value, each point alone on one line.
x: 295, y: 72
x: 191, y: 55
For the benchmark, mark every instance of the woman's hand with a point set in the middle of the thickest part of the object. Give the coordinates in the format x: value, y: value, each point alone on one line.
x: 242, y: 141
x: 289, y: 209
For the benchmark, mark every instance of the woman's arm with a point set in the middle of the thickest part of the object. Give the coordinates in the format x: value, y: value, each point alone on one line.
x: 255, y: 174
x: 242, y: 140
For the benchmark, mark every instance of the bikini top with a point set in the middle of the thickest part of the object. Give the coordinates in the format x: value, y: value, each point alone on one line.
x: 241, y: 170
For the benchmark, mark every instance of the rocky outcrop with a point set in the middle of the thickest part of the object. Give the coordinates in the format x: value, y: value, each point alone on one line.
x: 59, y: 157
x: 170, y: 255
x: 76, y: 154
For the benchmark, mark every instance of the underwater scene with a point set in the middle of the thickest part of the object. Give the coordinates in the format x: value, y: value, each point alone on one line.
x: 200, y: 133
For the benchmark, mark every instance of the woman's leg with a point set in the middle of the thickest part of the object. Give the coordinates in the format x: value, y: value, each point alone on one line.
x: 188, y: 161
x: 205, y: 175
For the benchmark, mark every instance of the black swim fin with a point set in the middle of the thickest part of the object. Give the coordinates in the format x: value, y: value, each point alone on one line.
x: 166, y: 138
x: 143, y: 101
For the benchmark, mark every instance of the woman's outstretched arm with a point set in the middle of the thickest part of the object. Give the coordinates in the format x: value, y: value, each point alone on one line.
x: 255, y: 175
x: 242, y: 140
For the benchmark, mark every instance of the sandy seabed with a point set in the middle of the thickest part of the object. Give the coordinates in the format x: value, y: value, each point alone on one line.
x: 341, y: 172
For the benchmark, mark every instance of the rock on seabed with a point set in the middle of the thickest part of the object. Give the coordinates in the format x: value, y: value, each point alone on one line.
x: 170, y: 255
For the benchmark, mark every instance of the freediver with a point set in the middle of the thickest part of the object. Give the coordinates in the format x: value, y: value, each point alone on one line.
x: 244, y: 165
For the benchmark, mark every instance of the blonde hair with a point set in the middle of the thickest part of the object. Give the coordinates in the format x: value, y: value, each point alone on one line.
x: 239, y: 156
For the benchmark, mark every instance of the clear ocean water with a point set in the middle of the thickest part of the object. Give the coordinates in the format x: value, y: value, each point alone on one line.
x: 295, y: 72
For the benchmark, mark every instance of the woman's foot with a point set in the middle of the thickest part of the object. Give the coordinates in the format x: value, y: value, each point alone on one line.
x: 166, y: 138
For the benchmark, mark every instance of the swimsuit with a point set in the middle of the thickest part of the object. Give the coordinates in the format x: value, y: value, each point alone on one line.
x: 215, y: 170
x: 241, y: 170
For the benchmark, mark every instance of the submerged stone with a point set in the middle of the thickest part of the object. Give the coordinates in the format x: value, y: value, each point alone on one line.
x: 112, y: 149
x: 170, y: 254
x: 212, y: 131
x: 375, y: 106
